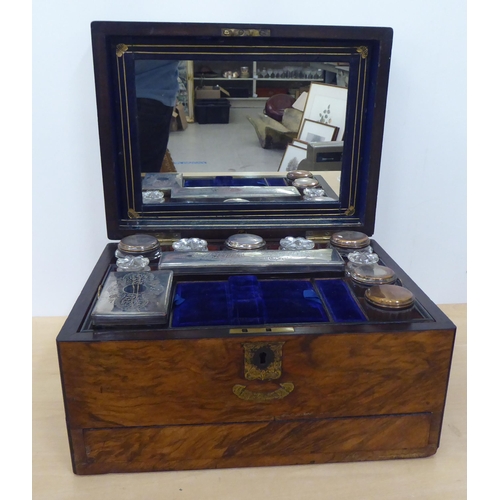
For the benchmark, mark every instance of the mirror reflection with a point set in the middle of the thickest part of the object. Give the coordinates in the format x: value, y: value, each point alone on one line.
x: 243, y: 119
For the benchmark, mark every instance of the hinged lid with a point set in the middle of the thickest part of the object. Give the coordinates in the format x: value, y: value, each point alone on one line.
x: 345, y: 73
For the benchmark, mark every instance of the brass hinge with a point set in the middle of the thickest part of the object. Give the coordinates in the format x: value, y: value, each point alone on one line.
x: 319, y: 236
x: 244, y: 32
x: 167, y: 239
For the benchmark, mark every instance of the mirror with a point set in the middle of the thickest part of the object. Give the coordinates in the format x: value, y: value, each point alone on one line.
x: 233, y: 135
x: 224, y: 103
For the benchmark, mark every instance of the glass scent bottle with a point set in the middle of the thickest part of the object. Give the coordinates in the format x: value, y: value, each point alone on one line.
x: 245, y: 241
x: 139, y: 245
x: 129, y: 263
x: 360, y: 258
x: 190, y: 245
x: 299, y: 243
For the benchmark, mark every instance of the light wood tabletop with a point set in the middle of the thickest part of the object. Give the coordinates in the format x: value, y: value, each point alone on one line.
x: 442, y: 476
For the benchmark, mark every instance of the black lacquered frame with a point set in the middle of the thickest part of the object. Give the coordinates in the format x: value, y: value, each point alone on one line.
x: 117, y: 45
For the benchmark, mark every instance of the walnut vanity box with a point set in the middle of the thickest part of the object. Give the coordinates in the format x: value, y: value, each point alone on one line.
x: 263, y: 356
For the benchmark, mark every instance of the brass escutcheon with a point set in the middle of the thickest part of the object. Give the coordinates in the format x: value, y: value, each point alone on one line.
x: 243, y: 393
x: 262, y: 360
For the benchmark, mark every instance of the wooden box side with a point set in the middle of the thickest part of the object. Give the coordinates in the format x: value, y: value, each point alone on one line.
x: 175, y: 382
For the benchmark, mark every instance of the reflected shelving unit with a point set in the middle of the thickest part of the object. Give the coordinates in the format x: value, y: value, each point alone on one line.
x: 262, y: 80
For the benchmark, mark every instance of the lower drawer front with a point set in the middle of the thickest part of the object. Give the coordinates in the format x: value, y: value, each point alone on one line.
x: 253, y: 444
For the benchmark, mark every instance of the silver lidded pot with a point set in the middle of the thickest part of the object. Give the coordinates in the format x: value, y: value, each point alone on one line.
x: 245, y: 241
x: 298, y: 174
x: 143, y: 245
x: 348, y: 241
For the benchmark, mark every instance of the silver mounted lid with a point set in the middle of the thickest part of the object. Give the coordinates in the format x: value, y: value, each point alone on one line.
x: 245, y: 241
x: 390, y: 297
x: 350, y: 239
x: 138, y: 244
x: 372, y: 274
x: 298, y: 174
x: 305, y: 182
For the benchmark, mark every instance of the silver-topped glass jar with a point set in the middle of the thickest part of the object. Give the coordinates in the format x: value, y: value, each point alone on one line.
x: 372, y: 274
x: 391, y: 297
x: 139, y: 245
x: 245, y: 241
x: 348, y: 241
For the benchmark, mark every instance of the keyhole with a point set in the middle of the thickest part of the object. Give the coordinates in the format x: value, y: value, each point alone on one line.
x: 262, y: 358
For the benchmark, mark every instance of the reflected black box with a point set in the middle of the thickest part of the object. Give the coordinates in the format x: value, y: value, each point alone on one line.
x: 212, y: 110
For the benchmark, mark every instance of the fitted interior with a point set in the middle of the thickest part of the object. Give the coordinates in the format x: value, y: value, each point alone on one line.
x: 250, y: 300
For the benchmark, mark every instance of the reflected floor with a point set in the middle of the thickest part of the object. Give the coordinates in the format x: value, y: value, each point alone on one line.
x: 231, y: 147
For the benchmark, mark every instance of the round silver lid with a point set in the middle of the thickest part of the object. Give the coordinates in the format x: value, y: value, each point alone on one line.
x: 298, y: 174
x: 372, y: 274
x: 305, y: 182
x: 245, y: 241
x: 138, y: 243
x: 350, y: 239
x: 389, y: 296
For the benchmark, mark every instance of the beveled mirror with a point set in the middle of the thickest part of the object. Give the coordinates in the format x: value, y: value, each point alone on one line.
x: 250, y: 64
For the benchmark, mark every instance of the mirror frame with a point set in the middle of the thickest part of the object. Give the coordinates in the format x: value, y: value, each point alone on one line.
x: 367, y: 49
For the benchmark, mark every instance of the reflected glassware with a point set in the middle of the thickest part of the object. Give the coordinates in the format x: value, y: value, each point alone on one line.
x: 305, y: 182
x: 299, y: 243
x: 313, y: 192
x: 298, y: 174
x: 319, y: 198
x: 153, y: 197
x: 190, y: 245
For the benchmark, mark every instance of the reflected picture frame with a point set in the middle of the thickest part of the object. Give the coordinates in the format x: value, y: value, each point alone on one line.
x: 299, y: 144
x: 292, y: 157
x: 326, y: 103
x: 312, y: 131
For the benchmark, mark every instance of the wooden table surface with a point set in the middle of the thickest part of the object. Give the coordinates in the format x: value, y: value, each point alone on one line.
x: 442, y: 476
